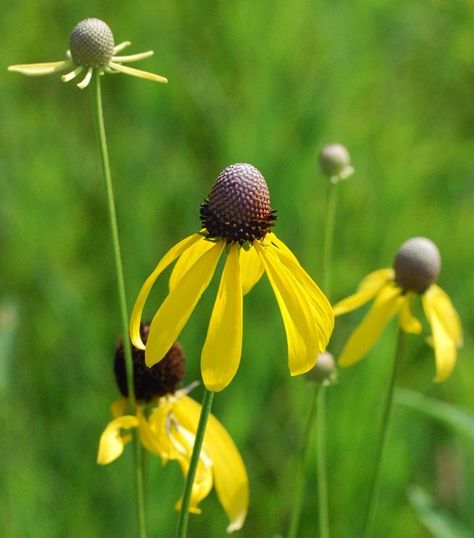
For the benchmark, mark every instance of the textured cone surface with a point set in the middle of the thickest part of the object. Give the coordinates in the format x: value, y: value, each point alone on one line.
x: 417, y: 264
x: 161, y: 379
x: 238, y: 208
x: 92, y: 43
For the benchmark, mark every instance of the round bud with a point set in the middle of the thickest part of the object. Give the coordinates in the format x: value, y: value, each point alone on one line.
x: 238, y: 208
x: 92, y: 43
x: 335, y: 160
x: 417, y: 264
x: 162, y: 378
x: 325, y: 369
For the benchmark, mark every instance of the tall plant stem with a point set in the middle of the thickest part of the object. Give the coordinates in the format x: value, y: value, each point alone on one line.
x: 374, y: 489
x: 323, y: 503
x: 317, y: 413
x: 100, y: 129
x: 182, y: 528
x: 303, y: 462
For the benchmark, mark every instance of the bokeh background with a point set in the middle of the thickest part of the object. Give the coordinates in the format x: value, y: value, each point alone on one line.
x: 267, y: 83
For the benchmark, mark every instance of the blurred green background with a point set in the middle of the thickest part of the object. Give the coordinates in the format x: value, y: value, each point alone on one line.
x: 267, y: 83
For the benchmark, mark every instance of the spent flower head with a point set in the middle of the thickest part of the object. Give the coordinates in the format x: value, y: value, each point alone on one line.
x: 335, y: 162
x: 416, y: 267
x: 166, y: 420
x: 237, y: 218
x: 92, y: 47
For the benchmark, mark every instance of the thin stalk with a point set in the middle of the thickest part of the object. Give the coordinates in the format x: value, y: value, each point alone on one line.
x: 323, y: 503
x: 318, y: 405
x: 100, y: 129
x: 182, y: 529
x: 374, y: 489
x: 303, y: 463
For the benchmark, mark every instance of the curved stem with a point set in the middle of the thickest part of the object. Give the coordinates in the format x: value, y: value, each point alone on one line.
x: 303, y: 462
x: 323, y: 505
x: 329, y: 236
x: 182, y: 528
x: 100, y: 129
x: 374, y: 489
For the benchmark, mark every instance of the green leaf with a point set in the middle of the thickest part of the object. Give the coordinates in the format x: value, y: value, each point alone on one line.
x: 438, y: 521
x: 458, y: 419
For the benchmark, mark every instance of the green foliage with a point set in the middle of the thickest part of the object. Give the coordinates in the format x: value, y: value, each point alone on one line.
x: 267, y: 83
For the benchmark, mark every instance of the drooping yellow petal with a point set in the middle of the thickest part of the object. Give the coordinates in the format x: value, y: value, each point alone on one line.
x: 39, y: 69
x: 112, y: 441
x: 137, y: 72
x: 188, y: 259
x: 132, y: 57
x: 167, y: 259
x: 445, y: 347
x: 230, y: 475
x: 222, y: 349
x: 386, y: 305
x: 408, y: 322
x: 251, y: 269
x: 324, y: 317
x: 179, y: 304
x: 447, y: 314
x: 203, y: 479
x: 368, y: 288
x: 160, y: 424
x: 298, y: 314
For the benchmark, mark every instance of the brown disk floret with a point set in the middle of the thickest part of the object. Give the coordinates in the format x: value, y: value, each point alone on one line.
x: 92, y: 43
x: 238, y: 208
x: 161, y: 379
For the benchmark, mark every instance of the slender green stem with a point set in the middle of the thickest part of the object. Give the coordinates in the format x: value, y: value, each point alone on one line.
x: 303, y: 463
x: 374, y: 489
x: 329, y: 236
x: 100, y: 129
x: 323, y: 504
x: 318, y: 406
x: 182, y: 528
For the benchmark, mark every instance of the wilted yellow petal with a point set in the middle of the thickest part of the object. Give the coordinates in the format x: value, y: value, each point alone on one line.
x: 112, y: 442
x: 39, y: 69
x: 386, y: 305
x: 179, y: 304
x: 230, y: 475
x: 187, y: 259
x: 297, y: 312
x: 408, y: 322
x: 167, y: 259
x: 446, y: 312
x: 137, y: 72
x: 222, y: 349
x: 251, y: 269
x: 445, y: 347
x: 323, y: 316
x: 368, y: 288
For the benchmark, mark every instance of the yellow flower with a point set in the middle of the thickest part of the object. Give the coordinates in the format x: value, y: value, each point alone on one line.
x: 416, y: 268
x: 92, y: 47
x: 167, y: 421
x: 237, y: 219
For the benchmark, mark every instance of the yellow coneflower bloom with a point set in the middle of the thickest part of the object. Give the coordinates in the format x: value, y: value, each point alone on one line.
x: 236, y: 219
x: 166, y: 420
x: 92, y: 47
x: 416, y: 268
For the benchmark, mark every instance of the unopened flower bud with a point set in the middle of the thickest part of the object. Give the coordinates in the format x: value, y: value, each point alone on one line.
x: 417, y: 264
x: 335, y: 162
x: 324, y: 372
